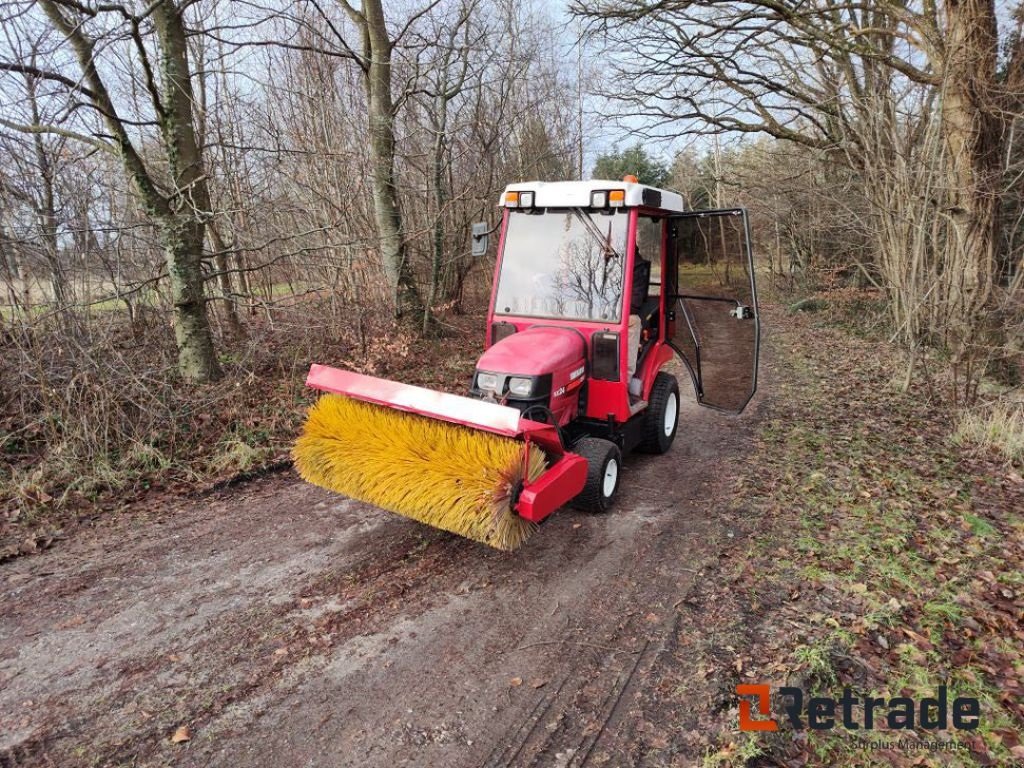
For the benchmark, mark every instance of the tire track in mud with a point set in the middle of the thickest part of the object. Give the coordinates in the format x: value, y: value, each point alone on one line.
x: 85, y: 628
x: 567, y: 725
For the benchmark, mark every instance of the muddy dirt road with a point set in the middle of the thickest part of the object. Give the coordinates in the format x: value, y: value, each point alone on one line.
x: 283, y: 625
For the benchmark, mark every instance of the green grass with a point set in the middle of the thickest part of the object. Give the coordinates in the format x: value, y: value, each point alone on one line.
x: 747, y: 749
x: 91, y: 304
x: 816, y: 658
x: 979, y: 526
x: 870, y: 557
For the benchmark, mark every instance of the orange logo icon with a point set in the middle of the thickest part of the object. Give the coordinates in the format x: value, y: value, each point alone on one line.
x: 763, y: 693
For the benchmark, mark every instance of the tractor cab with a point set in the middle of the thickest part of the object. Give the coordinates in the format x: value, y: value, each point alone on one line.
x: 609, y: 278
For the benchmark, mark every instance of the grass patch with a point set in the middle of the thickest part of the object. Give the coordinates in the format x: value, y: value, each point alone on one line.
x: 1000, y: 428
x: 816, y: 659
x: 237, y: 456
x: 907, y: 552
x: 741, y: 752
x: 979, y: 526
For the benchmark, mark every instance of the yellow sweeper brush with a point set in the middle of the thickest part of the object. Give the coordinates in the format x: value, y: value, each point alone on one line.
x: 444, y: 475
x: 487, y: 482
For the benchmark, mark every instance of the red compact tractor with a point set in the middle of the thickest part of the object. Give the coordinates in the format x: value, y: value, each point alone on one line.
x: 597, y: 286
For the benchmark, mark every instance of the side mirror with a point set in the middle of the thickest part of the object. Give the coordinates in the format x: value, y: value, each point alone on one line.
x: 481, y: 232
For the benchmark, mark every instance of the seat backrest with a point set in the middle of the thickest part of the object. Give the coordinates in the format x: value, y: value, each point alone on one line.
x: 641, y: 285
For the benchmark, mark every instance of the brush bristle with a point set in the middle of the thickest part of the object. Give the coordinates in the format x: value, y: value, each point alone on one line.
x: 445, y: 475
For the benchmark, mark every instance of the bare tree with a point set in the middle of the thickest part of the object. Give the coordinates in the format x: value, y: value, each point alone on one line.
x: 374, y: 59
x: 449, y: 71
x: 865, y: 83
x: 177, y: 199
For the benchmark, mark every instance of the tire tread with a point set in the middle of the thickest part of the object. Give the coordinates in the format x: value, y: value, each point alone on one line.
x: 654, y: 440
x: 596, y: 451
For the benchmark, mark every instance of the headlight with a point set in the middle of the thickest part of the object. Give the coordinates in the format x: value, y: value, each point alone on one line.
x: 487, y: 381
x: 520, y: 386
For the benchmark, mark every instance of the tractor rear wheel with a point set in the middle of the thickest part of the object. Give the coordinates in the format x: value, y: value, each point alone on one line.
x: 662, y: 419
x: 604, y: 466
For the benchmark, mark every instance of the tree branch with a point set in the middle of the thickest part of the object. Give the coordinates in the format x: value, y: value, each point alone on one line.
x: 56, y: 130
x: 42, y: 74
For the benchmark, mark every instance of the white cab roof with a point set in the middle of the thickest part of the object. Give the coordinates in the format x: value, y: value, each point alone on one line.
x: 576, y: 194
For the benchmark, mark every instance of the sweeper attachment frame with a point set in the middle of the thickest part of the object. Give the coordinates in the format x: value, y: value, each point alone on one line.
x: 467, y: 466
x: 578, y: 337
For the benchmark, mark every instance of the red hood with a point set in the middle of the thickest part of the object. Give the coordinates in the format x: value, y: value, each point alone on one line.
x: 534, y: 352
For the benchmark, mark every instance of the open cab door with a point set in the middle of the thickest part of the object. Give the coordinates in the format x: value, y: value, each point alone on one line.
x: 712, y: 305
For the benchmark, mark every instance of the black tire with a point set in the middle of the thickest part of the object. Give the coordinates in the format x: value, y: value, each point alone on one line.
x: 599, y: 454
x: 664, y: 398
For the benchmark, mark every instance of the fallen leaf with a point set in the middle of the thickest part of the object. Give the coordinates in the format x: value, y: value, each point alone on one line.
x: 181, y: 735
x: 538, y: 683
x: 515, y: 682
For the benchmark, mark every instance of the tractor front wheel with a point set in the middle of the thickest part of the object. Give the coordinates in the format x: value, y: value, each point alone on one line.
x: 604, y: 466
x: 662, y: 419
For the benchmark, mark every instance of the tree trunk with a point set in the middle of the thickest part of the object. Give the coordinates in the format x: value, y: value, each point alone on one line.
x: 183, y: 247
x: 387, y: 215
x: 47, y: 212
x: 220, y: 261
x: 971, y: 130
x: 440, y: 127
x: 189, y: 204
x: 12, y: 270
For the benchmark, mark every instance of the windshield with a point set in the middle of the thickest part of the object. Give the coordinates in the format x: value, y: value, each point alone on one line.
x: 563, y: 263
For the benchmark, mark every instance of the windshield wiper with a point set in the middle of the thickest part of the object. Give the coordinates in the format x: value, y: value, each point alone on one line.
x: 595, y: 232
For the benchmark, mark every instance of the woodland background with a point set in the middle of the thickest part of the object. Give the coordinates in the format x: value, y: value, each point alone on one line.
x: 199, y: 197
